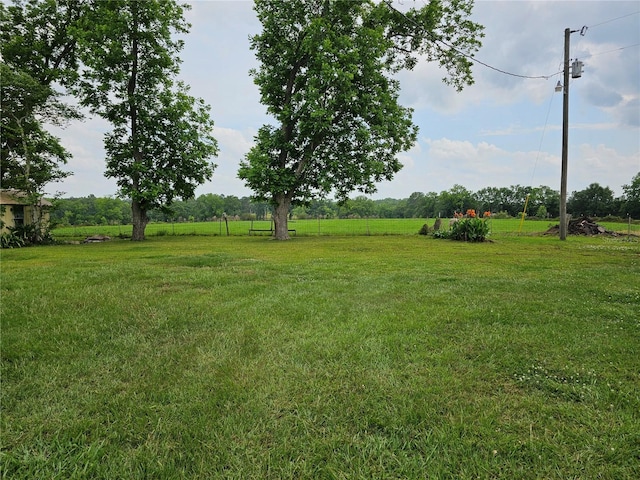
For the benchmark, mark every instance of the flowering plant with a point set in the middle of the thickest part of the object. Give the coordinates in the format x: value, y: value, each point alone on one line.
x: 469, y: 227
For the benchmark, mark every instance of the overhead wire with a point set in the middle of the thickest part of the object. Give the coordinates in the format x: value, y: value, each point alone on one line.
x: 611, y: 51
x: 614, y: 19
x: 545, y: 77
x: 471, y: 57
x: 505, y: 72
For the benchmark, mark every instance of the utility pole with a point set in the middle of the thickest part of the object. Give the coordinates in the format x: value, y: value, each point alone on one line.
x: 577, y: 72
x: 565, y: 138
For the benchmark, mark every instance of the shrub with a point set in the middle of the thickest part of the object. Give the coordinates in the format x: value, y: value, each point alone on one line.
x: 612, y: 218
x: 469, y: 227
x: 11, y: 240
x: 26, y: 235
x: 541, y: 212
x: 470, y: 230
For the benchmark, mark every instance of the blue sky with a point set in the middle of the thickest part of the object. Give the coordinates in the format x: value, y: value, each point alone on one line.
x: 501, y: 131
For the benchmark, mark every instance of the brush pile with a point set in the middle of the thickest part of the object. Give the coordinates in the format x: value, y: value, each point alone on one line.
x: 582, y: 226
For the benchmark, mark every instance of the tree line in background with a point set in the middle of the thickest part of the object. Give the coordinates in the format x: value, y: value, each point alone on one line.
x: 543, y: 202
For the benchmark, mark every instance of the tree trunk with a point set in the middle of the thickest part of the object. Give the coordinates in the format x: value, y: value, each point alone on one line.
x: 281, y: 217
x: 140, y: 220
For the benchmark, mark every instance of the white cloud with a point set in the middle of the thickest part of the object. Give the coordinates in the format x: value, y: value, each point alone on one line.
x: 233, y: 145
x: 604, y: 165
x: 445, y: 162
x: 84, y: 140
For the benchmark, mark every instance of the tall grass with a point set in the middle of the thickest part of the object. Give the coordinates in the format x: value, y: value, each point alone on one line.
x: 323, y: 357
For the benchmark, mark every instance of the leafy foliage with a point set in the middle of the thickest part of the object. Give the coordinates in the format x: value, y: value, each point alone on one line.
x: 26, y: 235
x: 595, y: 200
x: 162, y: 138
x: 326, y: 76
x: 37, y: 53
x: 10, y: 240
x: 470, y: 230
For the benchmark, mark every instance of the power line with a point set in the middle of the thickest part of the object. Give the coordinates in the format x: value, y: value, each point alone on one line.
x: 470, y: 57
x: 611, y: 51
x: 614, y: 19
x: 545, y: 77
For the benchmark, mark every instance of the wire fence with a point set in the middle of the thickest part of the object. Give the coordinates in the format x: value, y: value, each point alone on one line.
x: 327, y: 227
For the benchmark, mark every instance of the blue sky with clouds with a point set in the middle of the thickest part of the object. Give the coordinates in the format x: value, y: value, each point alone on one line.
x: 501, y: 131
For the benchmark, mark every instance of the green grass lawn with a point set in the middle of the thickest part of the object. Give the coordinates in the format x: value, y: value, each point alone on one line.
x: 322, y: 227
x: 324, y: 357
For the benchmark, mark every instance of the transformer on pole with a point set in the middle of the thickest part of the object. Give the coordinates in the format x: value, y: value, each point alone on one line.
x: 576, y: 72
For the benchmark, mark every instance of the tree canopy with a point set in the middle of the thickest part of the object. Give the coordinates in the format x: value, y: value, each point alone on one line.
x: 595, y: 200
x: 38, y: 54
x: 326, y: 76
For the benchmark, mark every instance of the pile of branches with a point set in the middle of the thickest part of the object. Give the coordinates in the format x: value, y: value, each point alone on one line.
x: 583, y: 226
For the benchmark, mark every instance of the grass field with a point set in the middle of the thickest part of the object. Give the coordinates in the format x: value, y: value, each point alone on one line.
x: 368, y: 357
x: 374, y: 226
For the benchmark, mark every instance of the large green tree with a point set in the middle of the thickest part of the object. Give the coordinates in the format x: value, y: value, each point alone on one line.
x: 162, y: 139
x: 594, y: 200
x: 37, y: 57
x: 326, y: 75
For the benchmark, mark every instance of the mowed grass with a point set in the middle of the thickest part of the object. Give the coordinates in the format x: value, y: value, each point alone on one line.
x: 320, y: 227
x: 322, y: 357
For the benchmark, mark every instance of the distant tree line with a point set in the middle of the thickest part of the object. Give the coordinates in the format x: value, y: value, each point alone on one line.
x: 542, y: 202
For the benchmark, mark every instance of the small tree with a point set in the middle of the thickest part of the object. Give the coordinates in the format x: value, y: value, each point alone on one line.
x: 326, y: 76
x: 541, y: 212
x: 161, y: 140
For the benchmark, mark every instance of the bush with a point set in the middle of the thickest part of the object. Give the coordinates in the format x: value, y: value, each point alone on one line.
x: 11, y: 240
x: 470, y: 230
x: 541, y: 212
x: 26, y: 235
